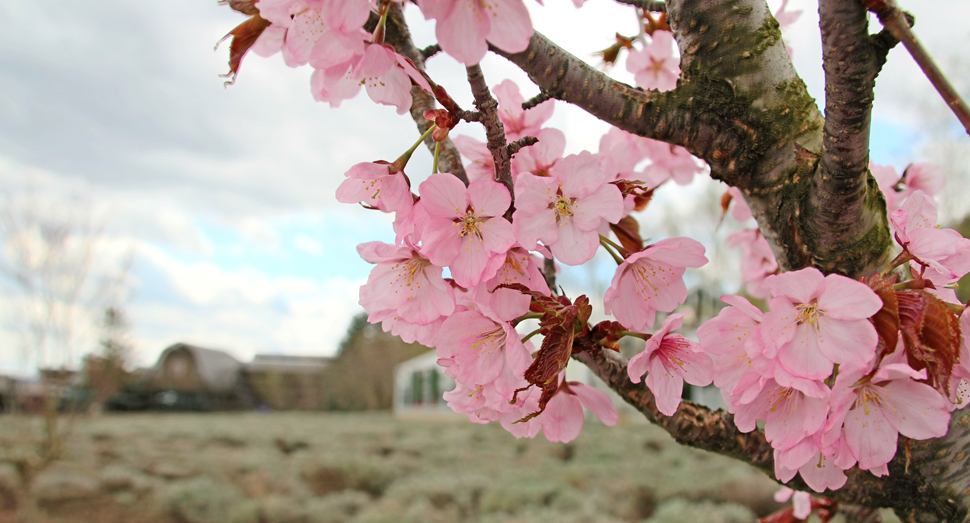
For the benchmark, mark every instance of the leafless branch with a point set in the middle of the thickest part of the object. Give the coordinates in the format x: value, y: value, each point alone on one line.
x: 648, y: 5
x: 893, y: 19
x: 494, y: 130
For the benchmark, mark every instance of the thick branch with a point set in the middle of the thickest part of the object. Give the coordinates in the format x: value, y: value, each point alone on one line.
x: 840, y: 194
x: 934, y: 487
x: 400, y: 38
x: 691, y: 425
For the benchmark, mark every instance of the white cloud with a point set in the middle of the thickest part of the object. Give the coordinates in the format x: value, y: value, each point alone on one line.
x: 306, y: 244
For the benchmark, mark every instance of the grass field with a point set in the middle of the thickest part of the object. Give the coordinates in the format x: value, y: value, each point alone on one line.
x: 363, y: 468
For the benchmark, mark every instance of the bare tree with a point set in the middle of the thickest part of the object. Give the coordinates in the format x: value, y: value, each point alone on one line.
x: 51, y: 265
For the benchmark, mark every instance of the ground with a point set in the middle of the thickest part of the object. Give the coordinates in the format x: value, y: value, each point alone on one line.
x: 362, y: 468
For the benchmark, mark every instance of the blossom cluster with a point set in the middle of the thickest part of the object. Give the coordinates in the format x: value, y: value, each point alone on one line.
x: 833, y: 369
x: 564, y: 208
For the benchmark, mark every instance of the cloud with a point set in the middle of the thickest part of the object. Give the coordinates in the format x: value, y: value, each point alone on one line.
x: 308, y: 245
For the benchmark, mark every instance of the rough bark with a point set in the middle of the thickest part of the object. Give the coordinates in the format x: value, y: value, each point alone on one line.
x: 740, y: 106
x: 934, y: 487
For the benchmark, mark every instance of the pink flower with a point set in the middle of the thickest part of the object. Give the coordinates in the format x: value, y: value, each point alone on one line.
x: 786, y: 18
x: 482, y: 166
x: 944, y: 252
x: 791, y: 411
x: 739, y: 208
x: 758, y: 261
x: 465, y: 226
x: 481, y: 346
x: 873, y: 409
x: 565, y: 211
x: 373, y: 184
x: 734, y: 339
x: 563, y: 418
x: 818, y: 320
x: 655, y: 66
x: 625, y: 149
x: 540, y: 158
x: 405, y: 283
x: 464, y: 29
x: 519, y: 122
x: 669, y: 162
x: 801, y: 501
x: 669, y: 360
x: 386, y: 75
x: 409, y: 332
x: 652, y: 280
x: 518, y: 266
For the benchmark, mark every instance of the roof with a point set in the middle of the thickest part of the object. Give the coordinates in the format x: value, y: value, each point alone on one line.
x: 218, y: 370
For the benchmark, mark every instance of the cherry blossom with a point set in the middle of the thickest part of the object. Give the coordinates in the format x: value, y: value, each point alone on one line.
x: 791, y: 411
x: 540, y: 158
x: 565, y: 210
x: 464, y: 29
x: 758, y: 261
x: 669, y: 360
x: 818, y: 320
x: 655, y: 66
x: 801, y: 501
x: 625, y: 149
x: 404, y: 282
x: 482, y: 166
x: 669, y: 162
x: 465, y: 227
x: 563, y: 417
x: 386, y: 75
x: 652, y: 280
x: 944, y: 251
x: 519, y: 122
x: 517, y: 266
x: 373, y: 184
x: 873, y: 408
x: 734, y: 339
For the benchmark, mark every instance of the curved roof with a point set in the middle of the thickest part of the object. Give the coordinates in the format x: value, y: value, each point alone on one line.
x: 218, y: 370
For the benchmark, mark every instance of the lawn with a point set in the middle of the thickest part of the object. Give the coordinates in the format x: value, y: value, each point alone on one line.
x: 362, y: 468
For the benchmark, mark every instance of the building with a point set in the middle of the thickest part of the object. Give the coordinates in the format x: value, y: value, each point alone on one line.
x: 288, y: 382
x: 187, y: 377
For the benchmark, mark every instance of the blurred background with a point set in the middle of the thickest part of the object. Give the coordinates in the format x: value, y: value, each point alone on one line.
x: 171, y: 245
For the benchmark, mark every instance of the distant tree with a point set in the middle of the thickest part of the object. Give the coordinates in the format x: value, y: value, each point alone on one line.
x: 361, y: 377
x: 49, y: 262
x: 104, y: 371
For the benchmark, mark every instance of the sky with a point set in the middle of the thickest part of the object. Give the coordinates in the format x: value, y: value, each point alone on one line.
x: 222, y: 198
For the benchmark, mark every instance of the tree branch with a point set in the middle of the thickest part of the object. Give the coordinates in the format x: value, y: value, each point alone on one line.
x: 929, y: 489
x: 893, y: 19
x: 399, y: 37
x: 494, y: 130
x: 655, y: 6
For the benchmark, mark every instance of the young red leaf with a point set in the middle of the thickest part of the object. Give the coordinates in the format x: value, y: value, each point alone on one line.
x: 246, y: 7
x: 243, y: 37
x: 931, y: 334
x: 886, y: 320
x: 627, y: 230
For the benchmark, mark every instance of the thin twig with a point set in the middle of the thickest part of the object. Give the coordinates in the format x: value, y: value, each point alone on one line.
x: 537, y: 99
x: 517, y: 145
x: 549, y: 274
x: 894, y: 19
x: 470, y: 116
x: 649, y: 5
x: 430, y: 51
